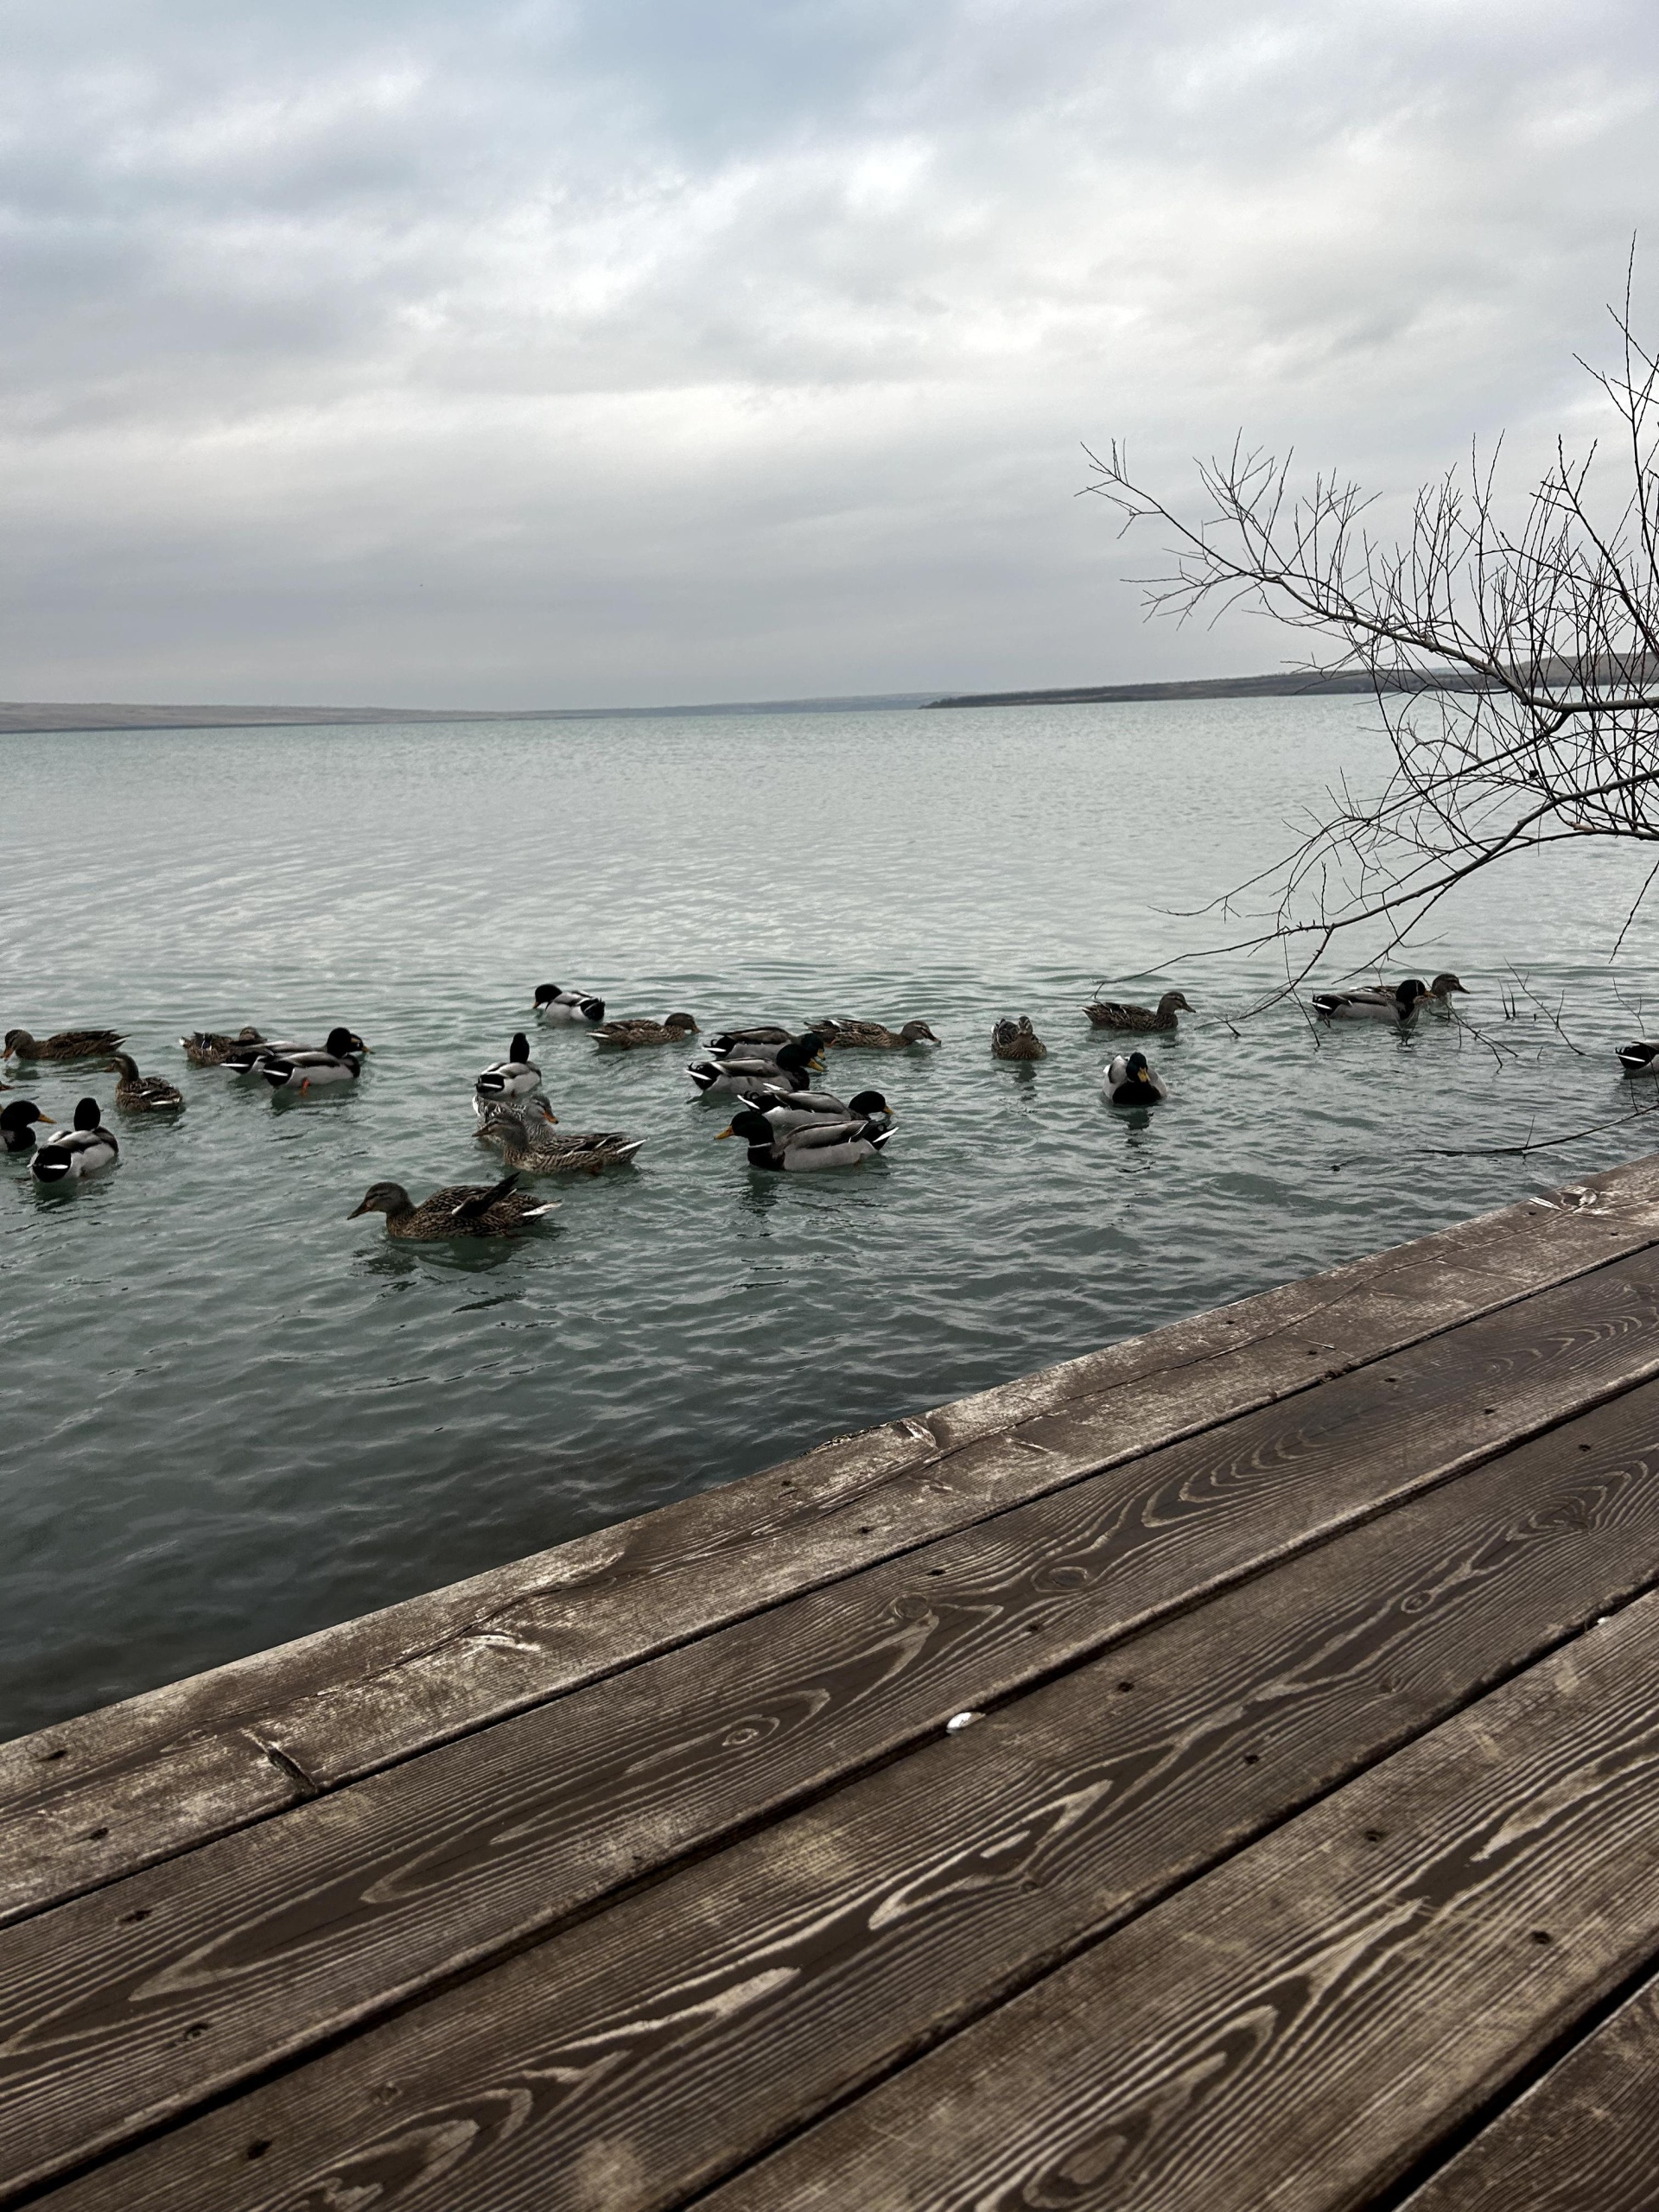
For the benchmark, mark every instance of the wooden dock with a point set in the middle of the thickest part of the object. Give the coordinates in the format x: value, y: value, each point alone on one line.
x: 1216, y: 1774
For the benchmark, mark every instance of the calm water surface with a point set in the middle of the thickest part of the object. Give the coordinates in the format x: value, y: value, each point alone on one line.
x: 232, y: 1415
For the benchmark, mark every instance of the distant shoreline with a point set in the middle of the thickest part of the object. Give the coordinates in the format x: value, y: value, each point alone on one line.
x: 39, y: 718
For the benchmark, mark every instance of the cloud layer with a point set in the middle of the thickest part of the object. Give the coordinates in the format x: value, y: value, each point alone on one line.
x: 558, y: 352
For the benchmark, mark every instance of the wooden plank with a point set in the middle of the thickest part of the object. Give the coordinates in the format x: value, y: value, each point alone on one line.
x: 693, y: 2024
x: 1291, y: 2032
x: 299, y: 1930
x: 88, y: 1802
x: 1585, y: 2139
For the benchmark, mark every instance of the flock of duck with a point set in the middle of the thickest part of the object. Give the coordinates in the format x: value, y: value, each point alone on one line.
x: 787, y: 1125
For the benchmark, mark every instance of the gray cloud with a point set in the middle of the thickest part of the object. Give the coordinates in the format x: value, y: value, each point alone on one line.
x: 543, y: 353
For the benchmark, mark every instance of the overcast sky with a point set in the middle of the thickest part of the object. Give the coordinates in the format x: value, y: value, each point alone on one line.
x: 576, y: 352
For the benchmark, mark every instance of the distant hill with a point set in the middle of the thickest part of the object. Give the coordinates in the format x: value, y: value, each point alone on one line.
x: 1293, y: 685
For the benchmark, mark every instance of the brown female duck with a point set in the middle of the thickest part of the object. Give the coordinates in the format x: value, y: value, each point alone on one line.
x: 1017, y: 1041
x: 63, y: 1045
x: 874, y: 1036
x: 1114, y: 1014
x: 628, y: 1031
x: 459, y: 1210
x: 142, y: 1094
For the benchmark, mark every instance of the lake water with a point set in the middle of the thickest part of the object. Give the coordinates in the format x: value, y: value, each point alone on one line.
x: 232, y: 1415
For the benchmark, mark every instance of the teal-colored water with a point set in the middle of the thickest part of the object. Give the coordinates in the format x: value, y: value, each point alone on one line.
x: 232, y: 1415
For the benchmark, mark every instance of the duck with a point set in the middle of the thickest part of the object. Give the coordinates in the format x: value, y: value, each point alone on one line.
x: 629, y: 1032
x: 1129, y: 1081
x: 783, y: 1110
x: 142, y: 1094
x: 251, y: 1059
x: 209, y: 1048
x: 755, y: 1043
x: 784, y: 1068
x: 64, y: 1044
x: 17, y: 1125
x: 1398, y: 1006
x: 88, y: 1147
x: 553, y: 1003
x: 1637, y: 1058
x: 1114, y: 1014
x: 528, y: 1146
x: 1440, y: 991
x: 512, y: 1076
x: 335, y: 1062
x: 824, y: 1144
x: 874, y: 1036
x: 458, y: 1210
x: 1017, y: 1041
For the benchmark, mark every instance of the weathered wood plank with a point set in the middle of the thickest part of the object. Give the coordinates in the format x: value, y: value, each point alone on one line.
x: 86, y: 1803
x: 1585, y: 2139
x: 1292, y: 2029
x: 692, y: 2025
x: 297, y: 1929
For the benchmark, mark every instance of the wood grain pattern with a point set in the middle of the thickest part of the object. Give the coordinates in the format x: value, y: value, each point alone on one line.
x: 692, y: 2025
x: 80, y: 1806
x: 348, y: 1904
x: 83, y: 1804
x: 1288, y: 2033
x: 1585, y: 2139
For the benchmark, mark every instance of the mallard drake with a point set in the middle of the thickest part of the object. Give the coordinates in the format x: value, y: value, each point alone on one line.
x: 873, y: 1036
x: 88, y: 1147
x: 251, y: 1058
x: 630, y: 1031
x: 824, y: 1144
x: 335, y: 1062
x: 1398, y: 1006
x: 512, y: 1077
x: 142, y: 1094
x: 1017, y: 1041
x: 459, y: 1210
x: 1638, y: 1059
x: 17, y: 1125
x: 530, y: 1147
x: 64, y: 1044
x: 1129, y: 1081
x: 783, y: 1110
x: 553, y: 1003
x: 782, y: 1070
x: 208, y: 1048
x: 1114, y: 1014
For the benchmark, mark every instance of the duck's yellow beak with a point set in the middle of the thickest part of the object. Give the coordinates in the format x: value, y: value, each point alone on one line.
x: 47, y: 1119
x: 718, y: 1134
x: 547, y: 1114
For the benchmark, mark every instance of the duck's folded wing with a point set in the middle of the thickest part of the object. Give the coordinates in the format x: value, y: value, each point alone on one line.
x: 818, y: 1135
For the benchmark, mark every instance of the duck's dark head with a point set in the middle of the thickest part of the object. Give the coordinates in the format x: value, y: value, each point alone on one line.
x: 1136, y: 1069
x: 382, y: 1197
x: 917, y: 1033
x: 545, y: 994
x: 682, y: 1024
x: 87, y: 1114
x: 1175, y: 1002
x: 343, y: 1041
x: 123, y: 1064
x: 14, y: 1040
x: 754, y: 1128
x: 23, y: 1114
x: 1443, y: 986
x: 1408, y: 993
x: 801, y: 1052
x: 519, y: 1049
x: 870, y: 1101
